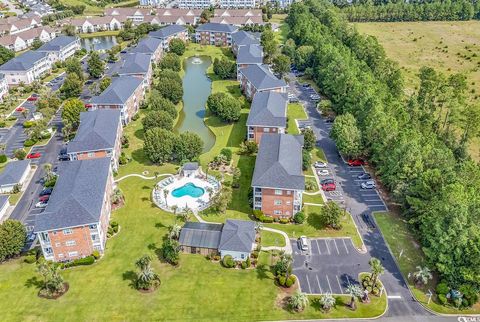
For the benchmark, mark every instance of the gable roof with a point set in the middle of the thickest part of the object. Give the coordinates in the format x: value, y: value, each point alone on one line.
x: 97, y: 131
x: 13, y: 172
x: 237, y: 12
x: 237, y: 235
x: 196, y: 234
x: 167, y: 31
x: 250, y: 54
x: 57, y: 43
x: 268, y: 109
x: 261, y: 77
x: 241, y: 38
x: 24, y: 62
x: 217, y: 27
x: 147, y: 45
x: 238, y: 21
x: 135, y: 63
x: 119, y: 91
x: 279, y: 162
x: 78, y: 196
x: 127, y: 12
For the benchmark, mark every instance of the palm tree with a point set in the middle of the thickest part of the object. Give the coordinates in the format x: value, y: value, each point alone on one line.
x: 282, y: 266
x: 186, y: 213
x: 174, y: 231
x: 53, y: 282
x: 327, y: 301
x: 354, y: 291
x: 175, y: 208
x: 47, y: 167
x: 422, y: 275
x: 146, y: 278
x: 298, y: 301
x: 165, y: 194
x: 117, y: 195
x: 377, y: 269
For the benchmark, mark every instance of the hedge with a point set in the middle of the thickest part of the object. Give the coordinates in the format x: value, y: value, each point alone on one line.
x: 89, y: 260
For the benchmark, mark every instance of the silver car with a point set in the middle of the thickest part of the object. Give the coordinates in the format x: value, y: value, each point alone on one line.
x: 370, y: 184
x: 303, y: 243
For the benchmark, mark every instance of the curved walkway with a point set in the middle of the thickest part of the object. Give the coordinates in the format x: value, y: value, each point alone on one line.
x: 142, y: 176
x: 288, y: 246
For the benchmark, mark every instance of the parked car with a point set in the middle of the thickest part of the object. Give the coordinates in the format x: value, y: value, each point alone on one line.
x: 306, y: 85
x: 370, y: 184
x: 32, y: 98
x: 293, y: 100
x: 315, y: 97
x: 20, y: 109
x: 329, y: 120
x: 88, y: 105
x: 41, y: 204
x: 329, y: 186
x: 303, y: 243
x: 44, y: 198
x: 355, y: 162
x: 323, y: 172
x: 367, y: 220
x: 34, y: 155
x: 364, y: 176
x: 31, y: 237
x: 320, y: 164
x: 63, y: 157
x: 46, y: 192
x: 89, y: 81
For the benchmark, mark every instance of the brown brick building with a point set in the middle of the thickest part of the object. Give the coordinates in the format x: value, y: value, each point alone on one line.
x: 216, y: 34
x: 259, y: 78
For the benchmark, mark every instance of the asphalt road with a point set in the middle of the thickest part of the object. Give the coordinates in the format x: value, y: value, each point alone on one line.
x: 357, y: 201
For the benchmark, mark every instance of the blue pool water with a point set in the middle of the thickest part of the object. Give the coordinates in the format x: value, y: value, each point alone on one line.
x: 188, y: 189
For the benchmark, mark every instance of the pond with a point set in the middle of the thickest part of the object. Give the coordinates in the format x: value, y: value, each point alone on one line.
x: 196, y: 89
x: 98, y: 43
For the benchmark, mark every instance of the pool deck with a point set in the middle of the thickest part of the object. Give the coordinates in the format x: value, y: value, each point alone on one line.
x: 190, y: 202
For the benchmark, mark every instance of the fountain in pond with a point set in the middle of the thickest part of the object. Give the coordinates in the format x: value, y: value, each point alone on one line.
x: 196, y: 61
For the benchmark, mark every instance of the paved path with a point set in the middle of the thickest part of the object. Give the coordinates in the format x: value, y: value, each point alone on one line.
x: 142, y: 176
x: 288, y: 246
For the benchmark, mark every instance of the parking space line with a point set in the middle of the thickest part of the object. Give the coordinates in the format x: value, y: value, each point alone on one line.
x: 318, y: 246
x: 336, y: 246
x: 329, y: 286
x: 339, y: 285
x: 348, y: 280
x: 328, y: 249
x: 308, y: 282
x: 371, y: 200
x: 344, y: 244
x: 318, y: 282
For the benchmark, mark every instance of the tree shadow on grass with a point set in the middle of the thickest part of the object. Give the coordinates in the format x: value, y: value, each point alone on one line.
x: 140, y: 156
x: 264, y: 272
x: 160, y: 225
x: 130, y: 276
x: 139, y: 134
x: 239, y: 132
x: 34, y: 282
x: 315, y: 220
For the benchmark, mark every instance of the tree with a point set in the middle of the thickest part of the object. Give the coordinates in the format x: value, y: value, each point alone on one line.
x: 283, y: 266
x: 72, y: 86
x: 147, y: 279
x: 347, y: 135
x: 327, y: 301
x: 159, y: 145
x: 171, y: 90
x: 71, y: 111
x: 422, y: 275
x: 289, y: 48
x: 69, y: 30
x: 5, y: 55
x: 95, y: 64
x: 117, y: 196
x: 270, y: 45
x: 306, y: 160
x: 174, y: 231
x: 157, y: 119
x: 104, y: 83
x: 376, y: 268
x: 309, y: 139
x: 354, y: 291
x: 177, y: 46
x: 37, y: 43
x: 281, y: 64
x: 19, y: 154
x: 298, y: 301
x: 304, y: 57
x: 12, y: 238
x: 224, y: 68
x: 227, y: 108
x: 189, y: 146
x: 53, y: 283
x: 159, y: 103
x: 171, y: 61
x: 171, y: 251
x: 221, y: 200
x: 49, y: 175
x: 330, y: 215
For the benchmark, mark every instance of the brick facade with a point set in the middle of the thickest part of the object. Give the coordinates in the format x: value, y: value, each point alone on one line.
x: 255, y: 132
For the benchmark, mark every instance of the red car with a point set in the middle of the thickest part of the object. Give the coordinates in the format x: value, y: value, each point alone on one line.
x: 356, y: 162
x: 329, y: 186
x: 34, y: 155
x: 32, y: 98
x: 44, y: 198
x: 20, y: 109
x: 88, y: 105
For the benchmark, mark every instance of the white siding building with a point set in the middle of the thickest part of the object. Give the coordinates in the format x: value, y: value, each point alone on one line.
x: 26, y: 68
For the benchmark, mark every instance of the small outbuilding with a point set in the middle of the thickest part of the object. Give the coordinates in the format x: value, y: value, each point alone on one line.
x: 200, y: 238
x: 15, y: 173
x: 190, y: 169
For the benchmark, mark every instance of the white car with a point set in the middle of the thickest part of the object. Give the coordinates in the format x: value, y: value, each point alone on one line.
x: 315, y: 97
x: 320, y: 164
x: 41, y: 204
x: 323, y: 172
x: 370, y: 184
x: 303, y: 243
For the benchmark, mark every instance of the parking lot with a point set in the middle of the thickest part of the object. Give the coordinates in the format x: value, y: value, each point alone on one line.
x: 329, y: 265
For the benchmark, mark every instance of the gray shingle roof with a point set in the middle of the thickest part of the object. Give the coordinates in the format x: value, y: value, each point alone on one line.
x: 237, y: 235
x: 167, y: 31
x: 242, y: 38
x: 97, y: 131
x: 23, y: 62
x: 250, y: 54
x: 13, y: 172
x: 57, y: 43
x: 196, y: 234
x: 3, y: 200
x: 119, y: 90
x: 147, y: 45
x: 136, y: 63
x: 268, y: 109
x: 190, y: 166
x: 261, y: 77
x: 279, y: 162
x: 217, y: 27
x: 78, y: 196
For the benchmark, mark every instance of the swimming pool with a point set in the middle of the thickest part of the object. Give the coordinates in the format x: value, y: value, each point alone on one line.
x: 188, y: 189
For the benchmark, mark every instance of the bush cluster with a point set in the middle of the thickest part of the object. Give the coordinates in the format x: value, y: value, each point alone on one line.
x: 228, y: 261
x: 225, y: 106
x: 89, y: 260
x: 258, y: 214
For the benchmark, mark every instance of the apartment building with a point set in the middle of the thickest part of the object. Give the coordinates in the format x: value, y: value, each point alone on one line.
x: 216, y: 34
x: 98, y: 136
x: 150, y: 46
x: 138, y: 65
x: 244, y: 38
x: 268, y: 114
x: 14, y: 174
x: 166, y: 34
x: 14, y: 25
x: 94, y: 24
x: 249, y: 55
x: 76, y: 219
x: 196, y: 4
x: 278, y: 182
x: 135, y: 14
x: 3, y: 87
x: 26, y: 68
x: 23, y: 40
x: 259, y: 78
x: 61, y: 48
x: 238, y: 21
x: 237, y: 13
x: 124, y: 93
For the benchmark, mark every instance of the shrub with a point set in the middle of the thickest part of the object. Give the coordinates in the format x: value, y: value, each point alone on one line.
x: 3, y: 158
x: 248, y: 262
x: 243, y: 265
x: 442, y: 299
x: 299, y: 217
x: 135, y: 117
x: 470, y: 295
x: 3, y: 124
x: 216, y: 257
x: 89, y: 260
x: 290, y: 281
x: 258, y: 214
x: 208, y: 257
x: 442, y: 288
x: 255, y: 254
x: 46, y: 135
x: 227, y: 153
x: 29, y: 143
x: 266, y: 219
x: 96, y: 254
x: 30, y: 259
x: 282, y: 280
x: 20, y: 154
x: 50, y: 183
x: 284, y: 220
x: 228, y: 261
x: 28, y: 124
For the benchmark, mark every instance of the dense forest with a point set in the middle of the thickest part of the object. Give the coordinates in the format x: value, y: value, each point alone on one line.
x: 417, y: 143
x: 419, y: 10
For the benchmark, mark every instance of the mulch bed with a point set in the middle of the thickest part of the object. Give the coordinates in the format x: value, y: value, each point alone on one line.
x: 118, y: 205
x: 54, y: 296
x: 148, y: 291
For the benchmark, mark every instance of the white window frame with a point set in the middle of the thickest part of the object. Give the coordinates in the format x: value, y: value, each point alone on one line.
x: 70, y: 243
x: 73, y: 254
x: 278, y: 192
x: 277, y: 202
x: 68, y: 231
x: 277, y: 212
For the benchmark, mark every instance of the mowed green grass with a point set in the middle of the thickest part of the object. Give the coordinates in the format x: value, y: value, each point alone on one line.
x: 295, y: 111
x: 269, y: 238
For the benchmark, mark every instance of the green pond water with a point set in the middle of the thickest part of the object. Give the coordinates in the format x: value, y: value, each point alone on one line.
x: 196, y: 89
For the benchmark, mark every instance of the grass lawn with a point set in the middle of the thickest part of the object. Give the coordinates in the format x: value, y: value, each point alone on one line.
x: 400, y: 239
x: 90, y: 9
x: 313, y: 198
x: 295, y: 112
x: 100, y: 34
x: 14, y: 198
x: 269, y: 238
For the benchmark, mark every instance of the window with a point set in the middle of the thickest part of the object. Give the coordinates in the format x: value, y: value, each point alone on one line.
x: 68, y: 231
x: 278, y: 192
x: 289, y: 202
x: 92, y: 226
x: 60, y: 255
x: 70, y: 243
x: 277, y: 212
x: 266, y: 129
x: 94, y: 237
x: 277, y: 202
x: 57, y: 244
x: 289, y: 192
x: 242, y: 256
x: 48, y: 250
x: 91, y: 154
x: 73, y: 254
